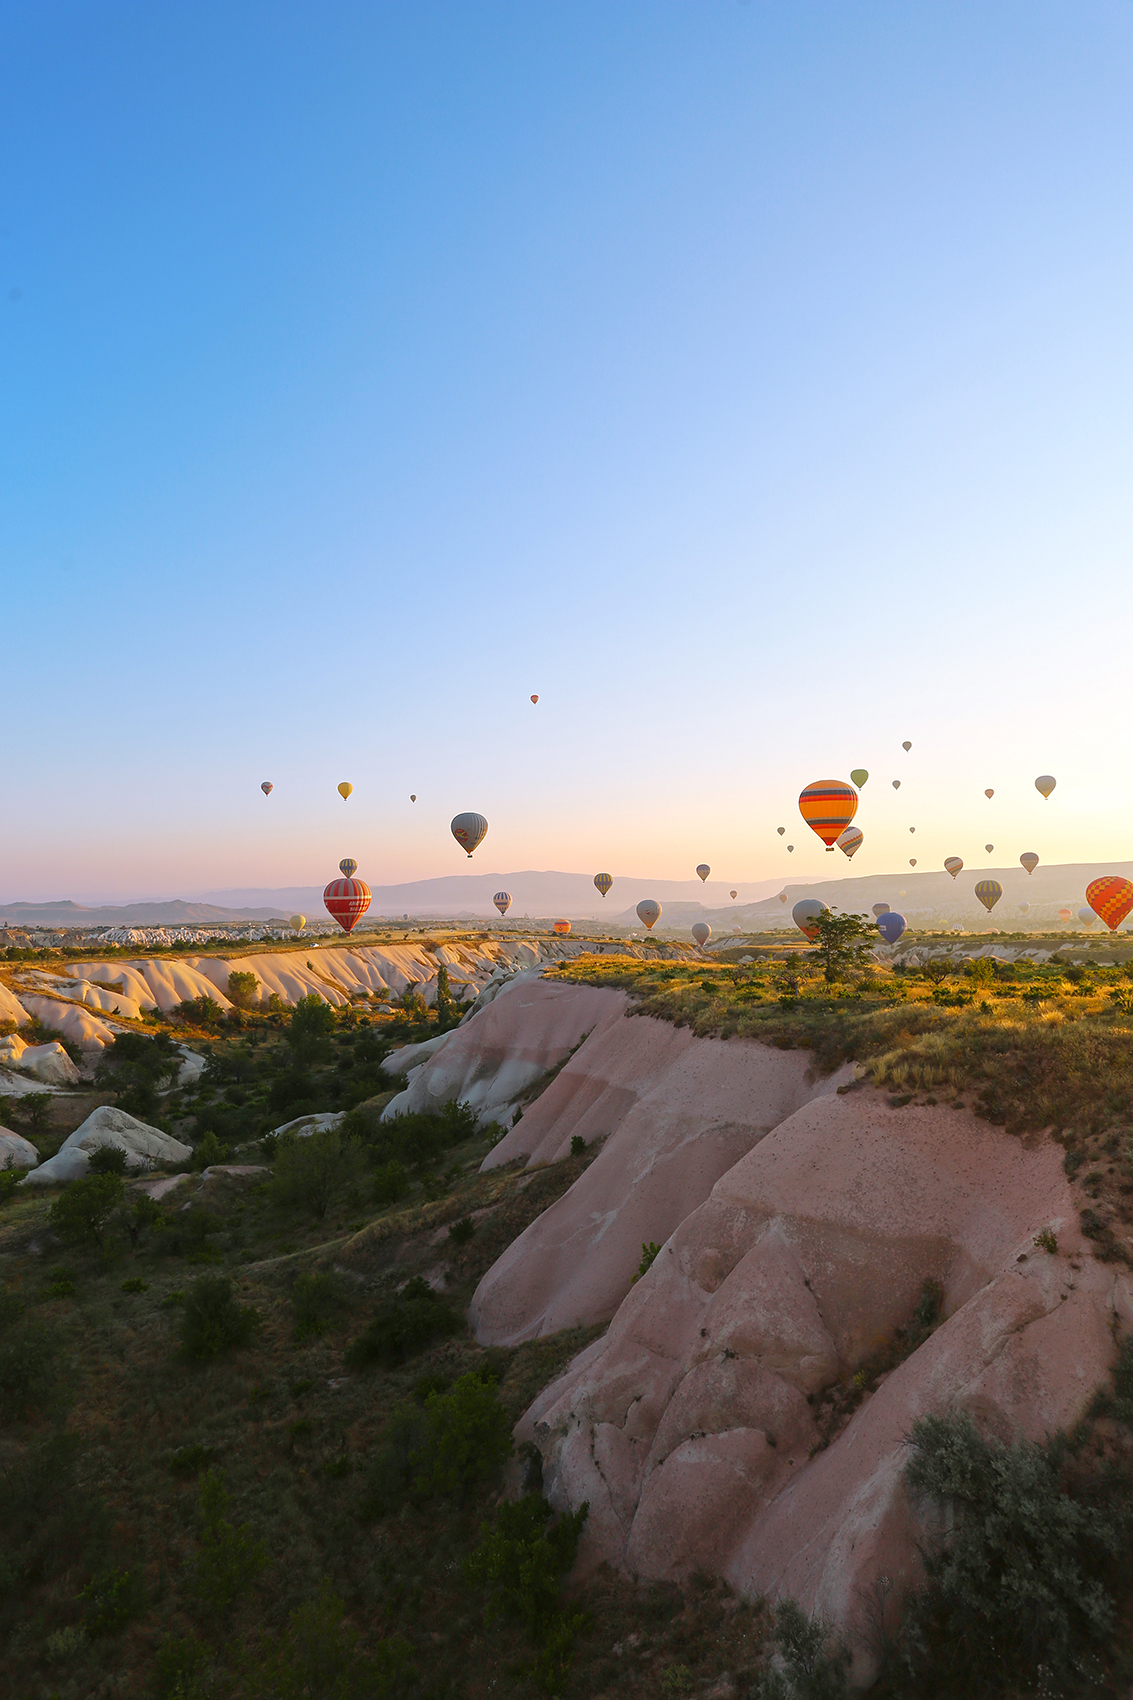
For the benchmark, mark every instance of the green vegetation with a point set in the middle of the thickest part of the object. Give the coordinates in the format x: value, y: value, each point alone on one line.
x: 83, y: 1211
x: 212, y: 1321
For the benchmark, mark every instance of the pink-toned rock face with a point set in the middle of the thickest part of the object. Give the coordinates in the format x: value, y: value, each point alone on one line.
x: 688, y: 1427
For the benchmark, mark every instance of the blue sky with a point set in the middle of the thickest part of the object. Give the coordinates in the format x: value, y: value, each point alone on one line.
x: 752, y: 381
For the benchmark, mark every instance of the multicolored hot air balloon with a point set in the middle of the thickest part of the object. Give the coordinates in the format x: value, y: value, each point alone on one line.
x: 1111, y: 898
x: 347, y: 900
x: 881, y: 908
x: 850, y: 841
x: 859, y: 775
x: 562, y: 928
x: 1029, y: 861
x: 806, y: 914
x: 701, y: 932
x: 535, y: 698
x: 345, y: 789
x: 603, y: 882
x: 502, y: 901
x: 1086, y: 916
x: 649, y: 912
x: 704, y: 870
x: 989, y: 793
x: 953, y: 865
x: 1045, y: 783
x: 734, y: 895
x: 828, y: 806
x: 297, y: 923
x: 989, y: 892
x: 891, y: 926
x: 348, y: 866
x: 468, y: 830
x: 906, y: 746
x: 267, y: 787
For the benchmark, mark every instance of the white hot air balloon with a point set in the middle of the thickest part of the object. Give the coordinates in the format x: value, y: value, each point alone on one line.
x: 701, y: 932
x: 649, y: 912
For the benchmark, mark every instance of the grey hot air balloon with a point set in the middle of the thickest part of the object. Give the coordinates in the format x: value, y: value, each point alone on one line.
x: 1045, y: 783
x: 704, y: 870
x: 502, y: 901
x: 780, y: 830
x: 806, y: 913
x: 896, y: 785
x: 468, y: 830
x: 989, y: 848
x: 1086, y: 915
x: 649, y: 912
x: 413, y: 796
x: 1029, y: 861
x: 701, y: 932
x: 906, y: 746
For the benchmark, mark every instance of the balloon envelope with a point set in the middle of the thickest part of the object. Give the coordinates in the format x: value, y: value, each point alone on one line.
x: 649, y: 912
x: 535, y: 698
x: 502, y: 901
x: 906, y: 746
x: 989, y: 793
x: 1086, y: 916
x: 701, y: 932
x: 850, y: 841
x: 1064, y: 914
x: 912, y: 861
x: 347, y: 900
x: 896, y: 785
x: 1045, y: 783
x: 468, y: 830
x: 805, y: 915
x: 989, y: 848
x: 953, y: 865
x: 345, y: 789
x: 267, y: 787
x: 1023, y: 907
x: 881, y: 908
x: 780, y: 830
x: 828, y: 806
x: 735, y: 894
x: 603, y: 882
x: 790, y: 849
x: 704, y: 870
x: 782, y: 897
x: 297, y: 923
x: 348, y: 866
x: 413, y: 796
x: 562, y: 928
x: 1029, y: 861
x: 1111, y: 897
x: 891, y: 926
x: 859, y: 775
x: 989, y: 892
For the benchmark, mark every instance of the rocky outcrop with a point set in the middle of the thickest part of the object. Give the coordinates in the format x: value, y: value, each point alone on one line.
x: 144, y: 1146
x: 49, y: 1063
x: 16, y: 1152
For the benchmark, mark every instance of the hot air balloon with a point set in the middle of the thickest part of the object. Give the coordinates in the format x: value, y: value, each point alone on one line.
x: 267, y: 787
x: 891, y: 926
x: 413, y: 796
x: 704, y: 870
x: 850, y: 841
x: 912, y: 829
x: 649, y: 912
x: 297, y: 923
x: 1064, y: 915
x: 347, y: 900
x: 1110, y: 897
x: 345, y: 789
x: 535, y: 698
x: 1029, y: 861
x: 989, y: 848
x: 989, y: 892
x: 562, y: 928
x: 989, y: 793
x: 1086, y: 916
x: 701, y: 932
x: 735, y: 894
x: 348, y: 866
x: 896, y: 785
x: 468, y: 830
x: 780, y: 830
x: 881, y: 908
x: 906, y: 746
x: 953, y: 865
x: 1045, y: 783
x: 805, y: 915
x: 1023, y: 907
x: 790, y: 849
x: 502, y: 901
x: 912, y: 861
x: 828, y: 806
x: 782, y: 897
x: 603, y: 882
x: 859, y: 775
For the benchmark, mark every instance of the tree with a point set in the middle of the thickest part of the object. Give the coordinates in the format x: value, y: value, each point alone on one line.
x: 34, y: 1111
x: 82, y: 1212
x: 448, y: 1010
x: 242, y: 989
x: 136, y: 1068
x: 313, y: 1169
x: 843, y: 942
x: 311, y: 1025
x: 213, y: 1321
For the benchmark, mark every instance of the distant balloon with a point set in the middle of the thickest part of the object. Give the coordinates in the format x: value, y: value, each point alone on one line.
x: 502, y: 901
x: 1110, y: 897
x: 1064, y: 915
x: 828, y: 806
x: 1086, y: 916
x: 953, y: 865
x: 562, y: 928
x: 912, y: 861
x: 790, y: 849
x: 413, y: 796
x: 1045, y: 783
x: 896, y: 785
x: 348, y: 866
x: 468, y: 830
x: 850, y: 841
x: 989, y: 793
x: 780, y: 830
x: 881, y: 908
x: 906, y: 746
x: 267, y: 787
x: 297, y: 923
x: 535, y: 698
x: 649, y: 912
x: 347, y: 900
x: 989, y: 848
x: 1029, y: 861
x: 701, y: 932
x: 805, y: 915
x: 859, y: 775
x: 704, y: 870
x: 989, y: 892
x: 891, y: 926
x: 912, y: 829
x: 735, y: 894
x: 345, y: 789
x: 603, y: 882
x: 782, y: 897
x: 1023, y: 907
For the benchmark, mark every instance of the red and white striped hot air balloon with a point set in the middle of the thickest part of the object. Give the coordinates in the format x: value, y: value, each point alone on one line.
x: 347, y: 900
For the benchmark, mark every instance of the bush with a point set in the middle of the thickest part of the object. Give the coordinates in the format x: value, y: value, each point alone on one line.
x: 111, y: 1600
x: 461, y: 1232
x: 312, y: 1170
x: 391, y: 1183
x: 242, y: 989
x: 467, y: 1438
x: 230, y: 1558
x: 648, y: 1255
x: 34, y: 1112
x: 82, y: 1212
x: 403, y: 1326
x: 135, y: 1068
x: 417, y: 1138
x: 315, y: 1300
x: 213, y: 1321
x: 107, y: 1160
x: 29, y: 1362
x: 318, y: 1656
x: 202, y: 1012
x: 311, y: 1025
x: 522, y: 1560
x: 179, y: 1668
x: 815, y: 1665
x: 577, y: 1145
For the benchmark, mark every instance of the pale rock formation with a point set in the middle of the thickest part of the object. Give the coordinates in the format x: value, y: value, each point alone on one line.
x: 144, y: 1146
x: 303, y: 1126
x: 16, y: 1152
x: 73, y: 1021
x: 412, y: 1056
x: 49, y: 1063
x: 191, y: 1069
x: 11, y: 1009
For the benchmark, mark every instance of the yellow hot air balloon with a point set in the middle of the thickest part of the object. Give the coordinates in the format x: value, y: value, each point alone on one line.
x: 297, y: 923
x: 859, y: 775
x: 345, y: 789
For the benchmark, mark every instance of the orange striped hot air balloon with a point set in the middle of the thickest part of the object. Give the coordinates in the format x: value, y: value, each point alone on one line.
x: 562, y: 928
x: 828, y: 806
x: 347, y: 900
x: 1111, y: 899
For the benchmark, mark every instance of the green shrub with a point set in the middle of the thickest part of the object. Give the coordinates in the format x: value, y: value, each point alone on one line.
x: 461, y: 1232
x: 403, y: 1326
x: 648, y: 1254
x: 311, y: 1025
x: 466, y: 1438
x: 179, y: 1669
x: 107, y: 1160
x: 207, y: 1151
x: 311, y: 1171
x: 34, y: 1112
x: 110, y: 1600
x: 10, y: 1178
x: 135, y: 1284
x: 523, y: 1559
x: 391, y: 1183
x: 315, y: 1300
x: 416, y: 1138
x: 213, y: 1321
x: 83, y: 1210
x: 135, y: 1067
x: 191, y: 1460
x: 230, y: 1558
x: 577, y: 1145
x: 318, y: 1659
x: 815, y: 1664
x: 242, y: 989
x: 29, y: 1362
